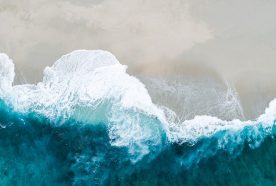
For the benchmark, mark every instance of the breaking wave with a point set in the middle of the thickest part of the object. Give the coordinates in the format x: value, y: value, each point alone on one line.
x: 90, y: 123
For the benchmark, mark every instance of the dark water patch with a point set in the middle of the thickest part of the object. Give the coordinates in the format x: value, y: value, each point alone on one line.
x: 34, y: 151
x: 250, y: 167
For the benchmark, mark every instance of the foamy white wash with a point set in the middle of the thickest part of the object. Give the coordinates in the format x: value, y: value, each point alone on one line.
x: 93, y: 87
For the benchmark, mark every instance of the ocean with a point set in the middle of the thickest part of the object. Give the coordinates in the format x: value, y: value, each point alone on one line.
x: 89, y: 122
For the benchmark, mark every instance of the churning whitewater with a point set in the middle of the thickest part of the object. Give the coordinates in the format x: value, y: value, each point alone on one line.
x: 90, y: 123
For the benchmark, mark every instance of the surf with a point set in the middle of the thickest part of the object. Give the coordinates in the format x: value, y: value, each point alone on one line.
x: 107, y: 126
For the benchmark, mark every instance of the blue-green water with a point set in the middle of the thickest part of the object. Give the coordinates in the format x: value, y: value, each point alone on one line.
x: 35, y: 152
x: 90, y: 123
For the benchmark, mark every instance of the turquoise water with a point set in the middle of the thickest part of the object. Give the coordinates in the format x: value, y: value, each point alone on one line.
x: 90, y: 123
x: 33, y: 151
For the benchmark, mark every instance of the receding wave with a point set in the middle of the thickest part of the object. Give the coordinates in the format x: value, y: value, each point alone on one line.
x: 88, y: 122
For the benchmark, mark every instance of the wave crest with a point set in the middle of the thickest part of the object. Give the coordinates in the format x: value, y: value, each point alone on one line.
x: 92, y: 87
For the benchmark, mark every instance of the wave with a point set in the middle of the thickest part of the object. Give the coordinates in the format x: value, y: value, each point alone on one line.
x: 89, y: 95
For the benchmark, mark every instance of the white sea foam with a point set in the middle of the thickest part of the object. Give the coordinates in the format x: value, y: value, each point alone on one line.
x: 90, y: 87
x: 6, y: 73
x: 81, y: 78
x: 93, y: 87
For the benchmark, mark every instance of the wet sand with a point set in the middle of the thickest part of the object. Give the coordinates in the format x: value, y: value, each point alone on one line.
x: 232, y: 43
